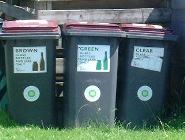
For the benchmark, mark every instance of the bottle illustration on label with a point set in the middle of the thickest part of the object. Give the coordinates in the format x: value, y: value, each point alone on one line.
x: 42, y: 62
x: 105, y: 62
x: 98, y: 65
x: 35, y: 66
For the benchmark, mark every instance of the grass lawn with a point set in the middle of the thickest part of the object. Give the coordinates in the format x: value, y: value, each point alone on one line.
x: 171, y: 130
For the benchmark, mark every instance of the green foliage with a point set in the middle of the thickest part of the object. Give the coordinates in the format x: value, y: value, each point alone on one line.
x: 173, y: 128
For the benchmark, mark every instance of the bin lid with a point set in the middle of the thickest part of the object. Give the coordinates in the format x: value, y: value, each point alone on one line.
x: 143, y: 26
x: 92, y: 29
x: 30, y: 28
x: 148, y: 31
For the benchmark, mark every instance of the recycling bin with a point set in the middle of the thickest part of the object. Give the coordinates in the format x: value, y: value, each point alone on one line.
x: 91, y: 73
x: 2, y: 70
x: 144, y: 75
x: 3, y: 102
x: 30, y: 68
x: 3, y: 95
x: 2, y: 73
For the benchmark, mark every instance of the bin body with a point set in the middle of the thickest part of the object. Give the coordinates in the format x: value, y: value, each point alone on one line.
x: 30, y: 68
x: 3, y: 97
x: 81, y: 107
x: 2, y: 69
x: 3, y: 93
x: 145, y: 78
x: 2, y: 58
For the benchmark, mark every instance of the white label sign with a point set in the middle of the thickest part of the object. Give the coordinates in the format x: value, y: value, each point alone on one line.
x: 93, y: 58
x: 92, y: 93
x: 148, y: 58
x: 31, y: 93
x: 30, y: 59
x: 144, y: 93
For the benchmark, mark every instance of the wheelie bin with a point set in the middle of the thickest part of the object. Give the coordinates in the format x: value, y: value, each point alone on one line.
x: 30, y: 68
x: 3, y: 95
x: 144, y: 78
x: 91, y: 73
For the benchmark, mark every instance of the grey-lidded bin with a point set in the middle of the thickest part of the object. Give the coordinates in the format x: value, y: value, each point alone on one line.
x: 91, y: 73
x: 30, y: 68
x: 144, y: 70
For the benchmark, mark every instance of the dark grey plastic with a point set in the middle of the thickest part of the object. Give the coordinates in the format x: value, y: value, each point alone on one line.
x: 41, y: 111
x: 78, y: 111
x: 132, y: 107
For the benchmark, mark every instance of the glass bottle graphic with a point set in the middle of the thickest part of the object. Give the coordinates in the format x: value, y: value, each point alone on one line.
x: 98, y: 65
x: 35, y: 66
x: 42, y: 62
x: 105, y: 62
